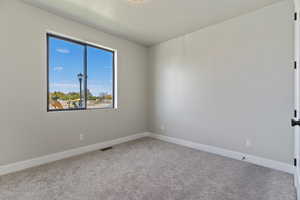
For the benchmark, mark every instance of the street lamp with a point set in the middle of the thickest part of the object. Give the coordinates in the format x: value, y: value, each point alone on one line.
x: 80, y: 78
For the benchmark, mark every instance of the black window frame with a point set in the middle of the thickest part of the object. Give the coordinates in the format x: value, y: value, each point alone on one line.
x: 85, y: 71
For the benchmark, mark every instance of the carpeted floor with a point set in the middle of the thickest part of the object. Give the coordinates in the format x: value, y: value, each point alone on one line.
x: 148, y: 169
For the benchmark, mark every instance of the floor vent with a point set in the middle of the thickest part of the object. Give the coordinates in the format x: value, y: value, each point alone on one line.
x: 106, y: 149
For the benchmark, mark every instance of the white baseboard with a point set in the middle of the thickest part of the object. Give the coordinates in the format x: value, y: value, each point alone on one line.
x: 6, y: 169
x: 297, y: 182
x: 227, y: 153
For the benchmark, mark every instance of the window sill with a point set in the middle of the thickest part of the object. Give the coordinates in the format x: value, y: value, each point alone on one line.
x: 87, y: 109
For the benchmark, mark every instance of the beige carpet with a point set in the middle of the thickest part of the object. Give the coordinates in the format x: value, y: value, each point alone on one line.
x: 148, y: 169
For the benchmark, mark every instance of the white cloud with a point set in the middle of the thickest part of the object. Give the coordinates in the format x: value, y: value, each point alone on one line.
x: 98, y: 89
x: 64, y: 85
x: 58, y: 69
x: 64, y: 51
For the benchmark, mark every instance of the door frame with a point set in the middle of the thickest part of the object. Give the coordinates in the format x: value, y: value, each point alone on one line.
x: 297, y: 94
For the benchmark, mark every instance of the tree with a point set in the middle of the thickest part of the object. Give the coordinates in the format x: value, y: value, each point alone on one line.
x: 90, y: 95
x: 109, y: 97
x: 57, y: 95
x: 72, y: 96
x: 62, y: 96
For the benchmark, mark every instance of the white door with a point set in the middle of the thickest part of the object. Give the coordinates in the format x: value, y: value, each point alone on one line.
x: 296, y: 119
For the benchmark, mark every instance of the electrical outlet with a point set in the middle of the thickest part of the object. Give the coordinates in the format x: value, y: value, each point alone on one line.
x: 248, y: 143
x: 162, y: 128
x: 81, y: 137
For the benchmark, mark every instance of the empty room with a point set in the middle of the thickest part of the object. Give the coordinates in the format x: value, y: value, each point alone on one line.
x: 150, y: 100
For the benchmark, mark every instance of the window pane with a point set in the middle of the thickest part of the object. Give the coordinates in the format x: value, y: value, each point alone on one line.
x: 100, y: 78
x: 66, y: 74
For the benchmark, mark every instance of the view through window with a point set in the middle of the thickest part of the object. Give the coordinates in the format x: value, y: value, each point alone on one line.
x: 80, y: 76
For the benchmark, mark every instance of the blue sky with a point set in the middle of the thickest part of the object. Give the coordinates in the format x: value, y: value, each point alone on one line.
x: 66, y: 61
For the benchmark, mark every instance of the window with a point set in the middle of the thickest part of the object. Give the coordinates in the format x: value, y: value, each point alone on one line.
x: 80, y: 75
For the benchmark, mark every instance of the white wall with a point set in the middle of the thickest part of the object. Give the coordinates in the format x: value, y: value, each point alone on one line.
x: 27, y: 130
x: 218, y: 86
x: 228, y: 83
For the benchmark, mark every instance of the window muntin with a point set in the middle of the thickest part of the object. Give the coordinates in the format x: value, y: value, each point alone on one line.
x: 80, y: 76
